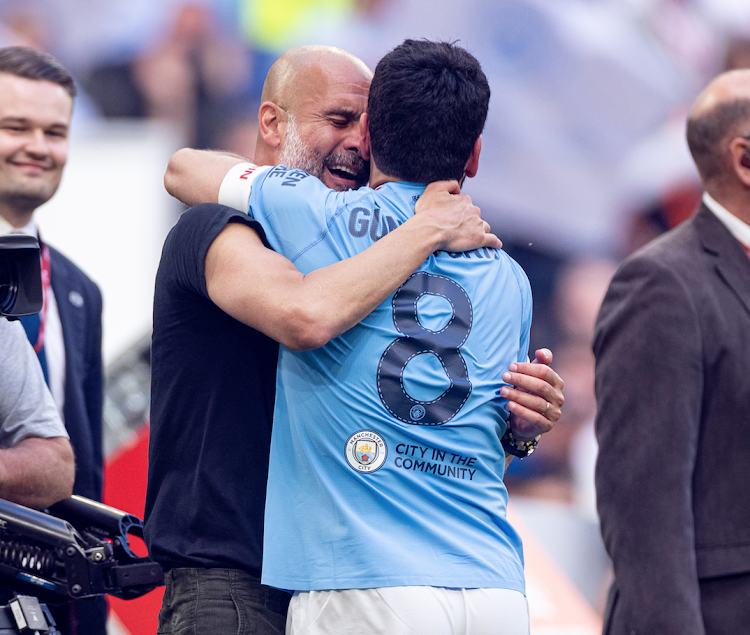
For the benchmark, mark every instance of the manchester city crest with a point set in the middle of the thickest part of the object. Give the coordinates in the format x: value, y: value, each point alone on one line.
x: 365, y: 451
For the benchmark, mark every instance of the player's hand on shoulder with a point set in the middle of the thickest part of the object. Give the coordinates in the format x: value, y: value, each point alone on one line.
x: 457, y: 219
x: 536, y: 397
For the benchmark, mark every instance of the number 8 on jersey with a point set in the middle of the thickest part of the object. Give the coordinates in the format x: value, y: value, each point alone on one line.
x: 445, y: 344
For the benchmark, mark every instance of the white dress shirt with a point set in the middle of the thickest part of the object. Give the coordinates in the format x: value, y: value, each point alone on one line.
x: 740, y: 230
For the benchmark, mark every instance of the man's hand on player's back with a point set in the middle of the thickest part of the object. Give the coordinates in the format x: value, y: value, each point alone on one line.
x: 443, y: 204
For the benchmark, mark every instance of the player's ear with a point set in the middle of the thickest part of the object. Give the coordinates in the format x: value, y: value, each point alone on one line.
x: 472, y: 165
x: 364, y: 129
x: 272, y: 120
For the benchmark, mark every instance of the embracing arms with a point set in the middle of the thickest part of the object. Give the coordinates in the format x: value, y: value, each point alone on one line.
x: 266, y: 291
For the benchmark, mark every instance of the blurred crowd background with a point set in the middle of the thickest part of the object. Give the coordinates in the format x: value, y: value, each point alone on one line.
x: 583, y: 161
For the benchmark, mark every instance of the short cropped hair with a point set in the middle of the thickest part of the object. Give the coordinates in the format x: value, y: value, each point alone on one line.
x: 29, y: 63
x: 427, y: 106
x: 706, y: 131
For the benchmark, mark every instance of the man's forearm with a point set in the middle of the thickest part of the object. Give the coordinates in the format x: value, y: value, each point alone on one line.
x: 339, y: 296
x: 264, y: 290
x: 342, y: 294
x: 37, y: 472
x: 195, y: 176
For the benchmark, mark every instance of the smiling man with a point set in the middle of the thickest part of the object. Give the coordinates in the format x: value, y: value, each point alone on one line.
x: 34, y: 119
x: 36, y: 103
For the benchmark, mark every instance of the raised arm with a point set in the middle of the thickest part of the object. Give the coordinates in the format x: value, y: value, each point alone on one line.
x: 195, y: 176
x: 267, y: 292
x: 264, y: 290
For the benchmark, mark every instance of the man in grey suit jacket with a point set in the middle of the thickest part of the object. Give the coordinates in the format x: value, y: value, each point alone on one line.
x: 672, y: 348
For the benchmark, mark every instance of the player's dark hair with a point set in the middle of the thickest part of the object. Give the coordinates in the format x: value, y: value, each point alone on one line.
x: 29, y: 63
x: 427, y: 107
x: 706, y: 131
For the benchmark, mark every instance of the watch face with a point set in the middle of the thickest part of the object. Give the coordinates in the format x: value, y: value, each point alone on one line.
x: 520, y: 449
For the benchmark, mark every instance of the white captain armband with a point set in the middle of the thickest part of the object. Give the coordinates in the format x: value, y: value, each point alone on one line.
x: 237, y: 184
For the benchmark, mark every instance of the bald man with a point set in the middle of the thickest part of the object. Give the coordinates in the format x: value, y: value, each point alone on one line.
x: 312, y: 101
x: 672, y: 473
x: 222, y: 302
x: 213, y: 378
x: 313, y: 98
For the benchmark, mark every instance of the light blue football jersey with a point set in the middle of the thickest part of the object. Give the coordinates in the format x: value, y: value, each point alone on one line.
x: 386, y: 464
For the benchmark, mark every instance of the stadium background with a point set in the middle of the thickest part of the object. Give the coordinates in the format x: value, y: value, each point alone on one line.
x: 583, y: 161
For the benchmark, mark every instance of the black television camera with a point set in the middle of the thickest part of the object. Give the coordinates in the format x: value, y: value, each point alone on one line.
x: 20, y: 276
x: 79, y: 548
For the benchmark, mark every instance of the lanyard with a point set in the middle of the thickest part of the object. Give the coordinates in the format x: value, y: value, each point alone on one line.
x: 46, y: 282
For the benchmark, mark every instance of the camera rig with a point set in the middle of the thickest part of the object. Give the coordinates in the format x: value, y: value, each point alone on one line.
x: 79, y: 548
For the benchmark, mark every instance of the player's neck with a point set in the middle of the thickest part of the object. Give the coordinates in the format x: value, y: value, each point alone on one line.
x: 378, y: 178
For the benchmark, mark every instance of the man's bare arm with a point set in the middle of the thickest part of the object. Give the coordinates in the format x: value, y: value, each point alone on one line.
x: 195, y: 176
x: 37, y: 472
x: 264, y: 290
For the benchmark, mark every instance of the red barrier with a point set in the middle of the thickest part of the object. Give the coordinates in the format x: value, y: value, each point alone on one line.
x: 125, y: 478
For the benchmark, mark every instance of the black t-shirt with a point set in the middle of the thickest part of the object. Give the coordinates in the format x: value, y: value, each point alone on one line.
x: 212, y: 394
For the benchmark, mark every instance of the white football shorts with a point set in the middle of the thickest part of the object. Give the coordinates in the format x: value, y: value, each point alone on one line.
x: 410, y: 610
